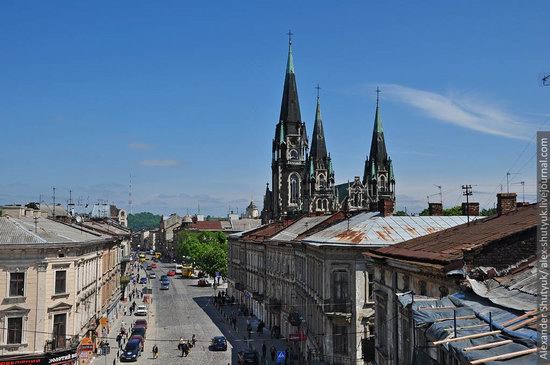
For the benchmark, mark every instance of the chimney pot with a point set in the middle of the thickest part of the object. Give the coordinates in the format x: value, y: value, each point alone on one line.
x: 386, y: 206
x: 471, y: 209
x: 506, y: 203
x: 435, y: 209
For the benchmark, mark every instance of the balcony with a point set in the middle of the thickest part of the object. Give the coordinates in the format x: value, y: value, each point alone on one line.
x: 342, y: 309
x: 61, y: 343
x: 257, y: 296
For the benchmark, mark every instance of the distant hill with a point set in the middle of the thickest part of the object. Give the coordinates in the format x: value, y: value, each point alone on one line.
x: 143, y: 220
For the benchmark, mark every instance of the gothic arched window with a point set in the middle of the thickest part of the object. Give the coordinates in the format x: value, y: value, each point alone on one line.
x: 294, y: 182
x: 293, y: 154
x: 383, y: 185
x: 322, y: 181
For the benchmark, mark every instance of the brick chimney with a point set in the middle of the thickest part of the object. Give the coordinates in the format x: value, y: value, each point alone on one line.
x: 471, y: 209
x: 385, y: 206
x: 435, y: 209
x: 506, y: 202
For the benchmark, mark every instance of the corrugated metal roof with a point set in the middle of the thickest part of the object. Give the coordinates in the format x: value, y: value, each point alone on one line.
x: 22, y: 231
x: 373, y: 229
x: 448, y: 245
x: 299, y: 227
x: 245, y: 224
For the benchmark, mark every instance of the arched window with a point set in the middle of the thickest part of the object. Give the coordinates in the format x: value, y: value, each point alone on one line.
x: 294, y: 182
x: 383, y: 185
x: 293, y: 154
x: 325, y: 204
x: 319, y: 206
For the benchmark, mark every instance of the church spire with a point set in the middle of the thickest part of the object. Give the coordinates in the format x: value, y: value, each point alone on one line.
x: 318, y: 145
x: 290, y: 107
x: 378, y: 152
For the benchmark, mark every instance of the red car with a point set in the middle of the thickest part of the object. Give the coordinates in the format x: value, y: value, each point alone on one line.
x: 153, y: 265
x: 171, y: 273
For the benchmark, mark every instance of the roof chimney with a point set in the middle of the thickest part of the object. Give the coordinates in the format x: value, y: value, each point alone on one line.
x: 506, y: 202
x: 471, y: 209
x: 435, y: 209
x: 385, y: 206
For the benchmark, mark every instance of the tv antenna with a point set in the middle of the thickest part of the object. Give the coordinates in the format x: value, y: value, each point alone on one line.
x: 467, y: 193
x: 508, y: 179
x: 440, y: 193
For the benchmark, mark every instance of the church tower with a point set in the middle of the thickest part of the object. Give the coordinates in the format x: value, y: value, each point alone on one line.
x: 378, y: 176
x: 319, y: 177
x: 289, y: 152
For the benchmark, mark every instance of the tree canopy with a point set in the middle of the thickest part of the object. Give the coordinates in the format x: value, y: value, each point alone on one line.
x: 207, y: 251
x: 143, y: 221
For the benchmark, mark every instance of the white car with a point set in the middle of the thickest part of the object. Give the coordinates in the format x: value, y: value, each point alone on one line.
x: 141, y: 310
x: 152, y: 275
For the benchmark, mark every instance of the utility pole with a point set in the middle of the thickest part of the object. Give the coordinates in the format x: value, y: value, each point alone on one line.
x: 467, y: 192
x: 508, y: 180
x: 54, y: 203
x: 523, y: 190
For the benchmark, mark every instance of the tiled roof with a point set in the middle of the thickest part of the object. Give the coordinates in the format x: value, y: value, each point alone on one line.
x: 448, y: 245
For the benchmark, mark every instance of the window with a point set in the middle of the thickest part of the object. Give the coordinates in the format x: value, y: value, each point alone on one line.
x: 293, y: 154
x: 340, y: 336
x: 15, y: 330
x: 383, y: 186
x: 340, y: 290
x: 17, y: 284
x: 294, y: 189
x: 381, y: 323
x: 406, y: 282
x: 322, y: 181
x: 59, y: 330
x: 423, y: 287
x: 370, y: 294
x: 60, y: 282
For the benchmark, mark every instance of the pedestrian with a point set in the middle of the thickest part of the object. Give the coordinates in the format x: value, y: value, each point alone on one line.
x: 273, y: 353
x: 119, y: 339
x: 264, y: 350
x: 155, y: 351
x: 185, y: 349
x: 193, y: 340
x: 114, y: 361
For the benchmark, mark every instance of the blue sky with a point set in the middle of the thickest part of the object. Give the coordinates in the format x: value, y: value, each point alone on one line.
x: 184, y: 96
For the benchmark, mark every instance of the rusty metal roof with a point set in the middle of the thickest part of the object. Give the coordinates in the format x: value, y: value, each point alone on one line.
x: 373, y: 229
x: 299, y: 227
x: 448, y: 245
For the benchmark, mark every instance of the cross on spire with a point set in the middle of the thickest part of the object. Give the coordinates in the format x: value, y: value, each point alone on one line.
x: 318, y: 89
x: 290, y: 34
x: 377, y: 95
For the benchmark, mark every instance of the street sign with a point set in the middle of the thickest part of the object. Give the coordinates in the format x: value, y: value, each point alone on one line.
x: 280, y: 356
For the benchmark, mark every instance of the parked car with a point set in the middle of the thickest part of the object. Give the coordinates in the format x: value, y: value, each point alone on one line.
x: 140, y: 331
x: 143, y: 280
x: 132, y: 351
x: 141, y: 310
x: 152, y: 275
x: 251, y: 358
x: 140, y: 339
x: 140, y: 323
x: 171, y: 273
x: 203, y: 282
x: 219, y: 343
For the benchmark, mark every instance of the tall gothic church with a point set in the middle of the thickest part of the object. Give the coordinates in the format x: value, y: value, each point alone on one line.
x: 303, y: 178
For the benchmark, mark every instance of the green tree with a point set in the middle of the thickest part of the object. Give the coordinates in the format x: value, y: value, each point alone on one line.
x: 206, y: 250
x: 143, y: 221
x: 488, y: 212
x: 453, y: 211
x: 400, y: 213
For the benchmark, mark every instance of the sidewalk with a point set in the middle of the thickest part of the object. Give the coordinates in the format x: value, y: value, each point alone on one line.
x: 112, y: 358
x: 256, y: 340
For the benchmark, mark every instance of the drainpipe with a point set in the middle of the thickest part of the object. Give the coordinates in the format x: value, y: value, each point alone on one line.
x: 395, y: 322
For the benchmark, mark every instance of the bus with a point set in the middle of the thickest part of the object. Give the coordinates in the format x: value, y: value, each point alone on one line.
x: 179, y: 269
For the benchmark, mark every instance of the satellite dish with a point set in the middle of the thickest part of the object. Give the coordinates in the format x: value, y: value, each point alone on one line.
x: 78, y: 219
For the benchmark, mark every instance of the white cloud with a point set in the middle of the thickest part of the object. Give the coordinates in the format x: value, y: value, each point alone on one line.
x: 140, y: 146
x: 159, y: 163
x: 462, y: 111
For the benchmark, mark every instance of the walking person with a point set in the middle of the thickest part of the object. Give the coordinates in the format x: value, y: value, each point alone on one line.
x: 155, y: 351
x: 264, y: 350
x: 193, y: 340
x: 273, y: 353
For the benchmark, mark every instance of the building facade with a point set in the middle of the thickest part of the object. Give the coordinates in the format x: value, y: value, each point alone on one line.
x: 308, y: 281
x: 56, y: 280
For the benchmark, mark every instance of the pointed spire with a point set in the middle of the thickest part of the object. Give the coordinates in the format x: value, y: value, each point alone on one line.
x: 318, y: 145
x: 290, y: 106
x: 378, y: 152
x: 290, y: 60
